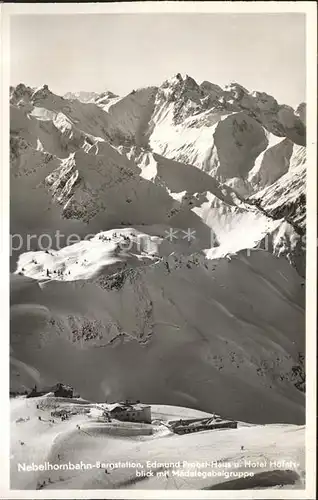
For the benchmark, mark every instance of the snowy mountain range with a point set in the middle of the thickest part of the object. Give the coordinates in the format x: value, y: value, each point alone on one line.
x: 186, y: 284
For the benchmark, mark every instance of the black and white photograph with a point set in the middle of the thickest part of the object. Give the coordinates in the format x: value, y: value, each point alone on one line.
x: 158, y: 200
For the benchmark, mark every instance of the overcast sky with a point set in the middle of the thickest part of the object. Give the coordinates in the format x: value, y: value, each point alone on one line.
x: 121, y: 52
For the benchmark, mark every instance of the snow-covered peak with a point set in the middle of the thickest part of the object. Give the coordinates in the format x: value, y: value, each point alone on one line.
x: 211, y: 88
x: 181, y: 79
x: 20, y: 94
x: 236, y: 89
x: 82, y: 96
x: 41, y: 93
x: 183, y: 86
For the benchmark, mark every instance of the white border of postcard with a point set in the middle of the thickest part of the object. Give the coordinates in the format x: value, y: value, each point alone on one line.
x: 308, y: 8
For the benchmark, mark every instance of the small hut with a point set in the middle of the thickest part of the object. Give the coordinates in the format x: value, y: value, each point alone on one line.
x: 34, y: 393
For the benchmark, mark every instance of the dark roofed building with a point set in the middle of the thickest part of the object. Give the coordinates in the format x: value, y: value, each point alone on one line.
x: 63, y: 391
x: 131, y: 412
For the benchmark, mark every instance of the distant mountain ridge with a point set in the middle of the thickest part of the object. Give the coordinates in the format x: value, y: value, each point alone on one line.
x: 243, y: 140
